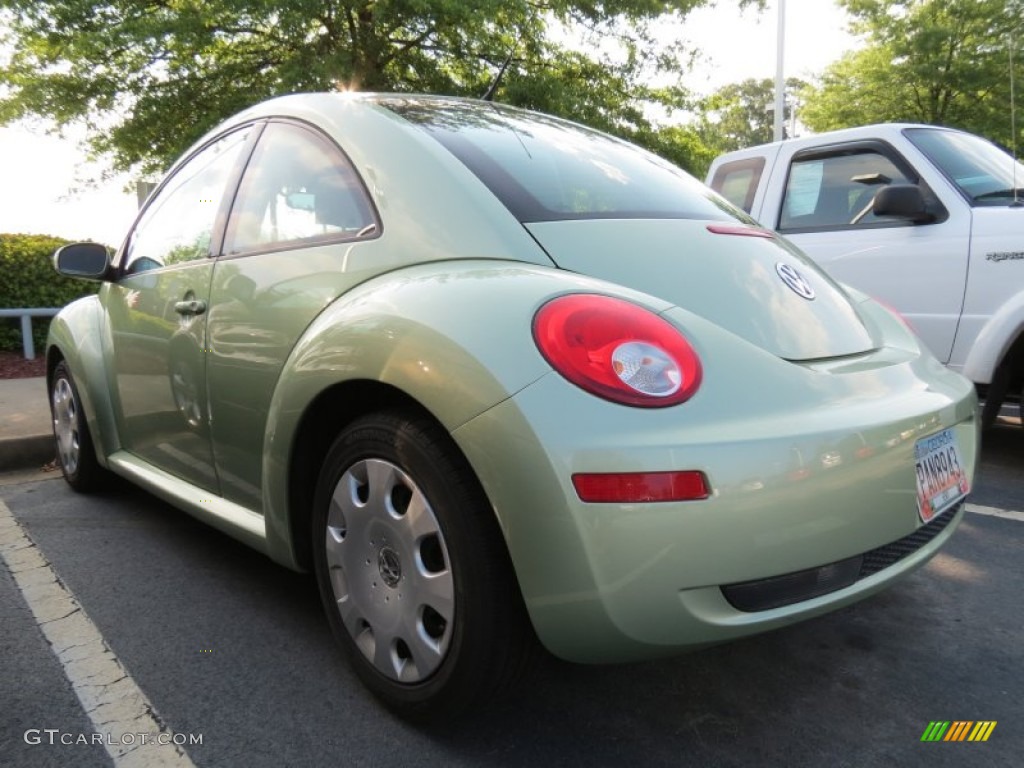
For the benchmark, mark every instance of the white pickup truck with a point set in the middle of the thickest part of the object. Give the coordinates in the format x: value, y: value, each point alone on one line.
x: 929, y: 220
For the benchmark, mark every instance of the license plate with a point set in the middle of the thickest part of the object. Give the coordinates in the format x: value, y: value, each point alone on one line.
x: 941, y: 476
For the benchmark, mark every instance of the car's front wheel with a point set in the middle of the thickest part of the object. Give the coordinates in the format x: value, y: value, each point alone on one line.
x: 413, y: 571
x: 75, y: 453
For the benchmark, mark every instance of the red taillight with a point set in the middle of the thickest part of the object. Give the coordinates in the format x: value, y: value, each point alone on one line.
x: 617, y: 350
x: 641, y: 487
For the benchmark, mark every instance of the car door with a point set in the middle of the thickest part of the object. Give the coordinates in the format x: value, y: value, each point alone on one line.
x: 158, y: 309
x: 302, y: 231
x: 920, y: 269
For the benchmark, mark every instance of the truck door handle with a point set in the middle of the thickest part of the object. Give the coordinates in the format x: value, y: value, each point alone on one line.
x: 192, y: 307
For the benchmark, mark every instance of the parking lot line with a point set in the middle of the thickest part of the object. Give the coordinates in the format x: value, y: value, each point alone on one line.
x: 124, y: 719
x: 1006, y: 514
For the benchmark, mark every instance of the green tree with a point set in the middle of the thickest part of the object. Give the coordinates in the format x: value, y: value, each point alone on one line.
x: 740, y: 115
x: 943, y: 62
x: 148, y: 77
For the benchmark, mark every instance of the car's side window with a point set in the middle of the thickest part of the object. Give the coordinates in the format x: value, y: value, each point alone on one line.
x: 835, y: 191
x: 737, y: 181
x: 298, y: 187
x: 178, y: 224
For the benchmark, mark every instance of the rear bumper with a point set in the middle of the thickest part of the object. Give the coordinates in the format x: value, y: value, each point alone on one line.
x: 817, y: 474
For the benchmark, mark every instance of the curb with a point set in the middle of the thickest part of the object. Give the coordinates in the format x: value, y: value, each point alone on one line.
x: 27, y: 452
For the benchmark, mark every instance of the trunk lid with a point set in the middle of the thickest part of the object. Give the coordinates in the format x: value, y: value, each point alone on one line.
x: 755, y: 287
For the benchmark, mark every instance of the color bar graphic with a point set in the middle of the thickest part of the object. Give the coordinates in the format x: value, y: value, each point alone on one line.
x: 958, y: 730
x: 982, y: 730
x: 935, y: 731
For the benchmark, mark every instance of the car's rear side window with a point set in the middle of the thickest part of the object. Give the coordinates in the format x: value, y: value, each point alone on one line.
x: 545, y: 169
x: 298, y: 189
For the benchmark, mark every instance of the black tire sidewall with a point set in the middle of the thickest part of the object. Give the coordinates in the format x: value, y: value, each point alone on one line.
x: 425, y: 453
x: 89, y: 475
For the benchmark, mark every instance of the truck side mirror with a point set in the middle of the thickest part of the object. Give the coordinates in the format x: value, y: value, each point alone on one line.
x: 903, y: 201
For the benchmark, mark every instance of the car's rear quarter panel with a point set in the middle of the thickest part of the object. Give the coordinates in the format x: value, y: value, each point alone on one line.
x: 454, y: 337
x: 807, y: 466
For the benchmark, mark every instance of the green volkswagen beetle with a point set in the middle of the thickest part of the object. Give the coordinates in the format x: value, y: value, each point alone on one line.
x: 497, y: 378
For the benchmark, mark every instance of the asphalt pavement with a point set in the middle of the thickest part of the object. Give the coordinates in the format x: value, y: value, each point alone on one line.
x: 233, y: 652
x: 229, y: 647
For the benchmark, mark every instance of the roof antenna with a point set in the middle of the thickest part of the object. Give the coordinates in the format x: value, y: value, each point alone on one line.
x: 489, y: 95
x: 1013, y: 130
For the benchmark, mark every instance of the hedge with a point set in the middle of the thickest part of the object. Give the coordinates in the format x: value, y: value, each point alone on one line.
x: 28, y: 279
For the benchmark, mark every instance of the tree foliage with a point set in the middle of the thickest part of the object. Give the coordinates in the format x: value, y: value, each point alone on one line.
x: 943, y: 62
x: 741, y: 115
x: 148, y: 77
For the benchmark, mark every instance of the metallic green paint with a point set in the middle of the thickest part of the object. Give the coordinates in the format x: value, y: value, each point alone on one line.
x: 816, y: 468
x: 79, y: 335
x: 714, y: 276
x: 808, y: 462
x: 456, y: 337
x: 159, y: 365
x: 432, y: 207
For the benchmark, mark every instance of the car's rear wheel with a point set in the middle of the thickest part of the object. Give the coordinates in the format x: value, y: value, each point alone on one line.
x: 413, y: 571
x: 75, y: 453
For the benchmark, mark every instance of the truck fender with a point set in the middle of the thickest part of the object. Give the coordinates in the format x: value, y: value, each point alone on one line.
x: 995, y: 341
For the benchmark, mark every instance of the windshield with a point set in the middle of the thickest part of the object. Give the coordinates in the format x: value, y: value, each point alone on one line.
x: 983, y: 172
x: 545, y: 169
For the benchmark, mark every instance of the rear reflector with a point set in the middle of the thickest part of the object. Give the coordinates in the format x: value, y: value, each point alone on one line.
x: 640, y: 487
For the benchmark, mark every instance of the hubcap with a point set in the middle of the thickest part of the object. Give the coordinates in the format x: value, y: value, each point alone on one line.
x: 389, y: 570
x: 65, y: 425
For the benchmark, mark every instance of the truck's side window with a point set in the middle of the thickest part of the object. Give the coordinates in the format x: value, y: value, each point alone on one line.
x: 835, y: 191
x: 737, y: 181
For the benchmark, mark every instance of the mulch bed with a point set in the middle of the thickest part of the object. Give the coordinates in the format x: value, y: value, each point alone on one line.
x: 14, y: 366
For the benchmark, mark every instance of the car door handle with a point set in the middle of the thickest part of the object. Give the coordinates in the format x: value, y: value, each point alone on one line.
x: 192, y: 307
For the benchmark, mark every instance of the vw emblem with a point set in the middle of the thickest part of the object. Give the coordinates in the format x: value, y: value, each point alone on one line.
x: 795, y: 280
x: 390, y: 566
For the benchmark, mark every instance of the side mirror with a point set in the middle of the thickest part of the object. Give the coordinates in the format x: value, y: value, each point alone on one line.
x: 87, y: 261
x: 903, y: 201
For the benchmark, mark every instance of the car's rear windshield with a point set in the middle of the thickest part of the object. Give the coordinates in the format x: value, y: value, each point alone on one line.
x: 546, y: 169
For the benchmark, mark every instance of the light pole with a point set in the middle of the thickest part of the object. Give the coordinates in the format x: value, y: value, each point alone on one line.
x: 780, y: 80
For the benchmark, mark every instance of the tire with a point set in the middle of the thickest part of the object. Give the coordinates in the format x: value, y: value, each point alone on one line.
x: 76, y: 454
x: 413, y: 572
x: 994, y: 396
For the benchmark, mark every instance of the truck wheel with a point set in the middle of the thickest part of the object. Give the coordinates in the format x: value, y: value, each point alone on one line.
x: 994, y: 396
x: 413, y: 571
x: 75, y: 453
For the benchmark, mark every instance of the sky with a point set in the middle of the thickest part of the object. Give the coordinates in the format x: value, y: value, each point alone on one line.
x: 43, y: 193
